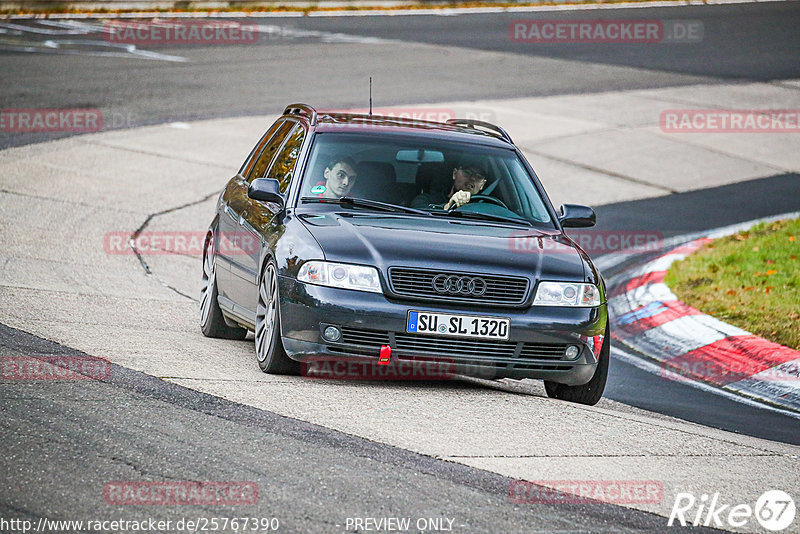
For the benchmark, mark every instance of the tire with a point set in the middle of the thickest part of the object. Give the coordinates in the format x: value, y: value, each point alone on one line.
x: 271, y: 356
x: 591, y: 392
x: 212, y: 323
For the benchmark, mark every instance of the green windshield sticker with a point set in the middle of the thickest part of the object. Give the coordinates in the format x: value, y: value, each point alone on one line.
x: 318, y: 189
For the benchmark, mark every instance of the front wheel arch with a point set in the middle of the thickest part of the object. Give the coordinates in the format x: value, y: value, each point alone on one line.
x: 591, y: 392
x: 275, y: 361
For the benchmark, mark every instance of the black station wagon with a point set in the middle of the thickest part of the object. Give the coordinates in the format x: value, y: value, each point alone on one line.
x: 386, y: 240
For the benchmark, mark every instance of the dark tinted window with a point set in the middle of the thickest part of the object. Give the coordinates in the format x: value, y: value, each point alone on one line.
x: 270, y: 148
x: 283, y: 167
x: 251, y: 158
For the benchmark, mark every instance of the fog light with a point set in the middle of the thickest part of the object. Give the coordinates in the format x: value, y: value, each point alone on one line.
x: 572, y: 352
x: 332, y: 333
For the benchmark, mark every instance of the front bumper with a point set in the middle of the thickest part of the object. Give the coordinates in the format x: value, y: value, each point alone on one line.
x: 538, y: 336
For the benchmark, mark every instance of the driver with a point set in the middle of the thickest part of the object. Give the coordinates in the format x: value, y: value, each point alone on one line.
x: 468, y: 180
x: 340, y: 177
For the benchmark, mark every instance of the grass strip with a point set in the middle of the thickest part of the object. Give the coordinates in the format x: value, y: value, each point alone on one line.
x: 750, y: 279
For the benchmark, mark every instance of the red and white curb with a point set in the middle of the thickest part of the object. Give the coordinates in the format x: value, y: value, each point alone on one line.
x: 691, y: 346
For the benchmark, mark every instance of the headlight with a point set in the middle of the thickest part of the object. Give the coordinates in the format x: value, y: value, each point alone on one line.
x: 566, y: 294
x: 325, y: 273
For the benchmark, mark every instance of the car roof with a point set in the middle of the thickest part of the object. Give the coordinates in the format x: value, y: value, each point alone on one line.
x: 461, y: 130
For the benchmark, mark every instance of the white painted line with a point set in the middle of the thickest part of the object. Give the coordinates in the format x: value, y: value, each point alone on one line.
x: 770, y: 388
x: 620, y: 305
x: 71, y: 24
x: 663, y: 263
x: 125, y: 50
x: 659, y: 264
x: 655, y: 368
x: 644, y: 295
x: 677, y: 337
x: 788, y: 372
x: 41, y: 31
x: 326, y: 37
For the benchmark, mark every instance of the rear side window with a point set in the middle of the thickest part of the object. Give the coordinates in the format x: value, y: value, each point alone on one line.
x: 260, y: 168
x: 283, y: 167
x: 248, y: 163
x: 251, y: 158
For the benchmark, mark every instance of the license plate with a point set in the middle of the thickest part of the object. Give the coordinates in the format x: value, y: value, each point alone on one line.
x: 446, y: 324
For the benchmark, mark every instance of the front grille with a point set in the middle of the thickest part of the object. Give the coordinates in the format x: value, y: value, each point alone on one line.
x: 479, y: 348
x: 372, y: 338
x: 499, y: 290
x: 543, y: 351
x: 367, y: 342
x: 540, y: 367
x: 363, y: 342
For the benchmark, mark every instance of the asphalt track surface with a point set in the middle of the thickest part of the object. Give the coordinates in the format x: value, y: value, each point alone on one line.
x: 77, y: 436
x: 63, y: 441
x: 740, y: 42
x: 84, y: 436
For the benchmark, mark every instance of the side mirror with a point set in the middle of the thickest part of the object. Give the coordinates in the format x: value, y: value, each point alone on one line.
x: 266, y: 190
x: 576, y: 216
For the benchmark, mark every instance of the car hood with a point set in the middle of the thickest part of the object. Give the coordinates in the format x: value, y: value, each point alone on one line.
x: 447, y: 244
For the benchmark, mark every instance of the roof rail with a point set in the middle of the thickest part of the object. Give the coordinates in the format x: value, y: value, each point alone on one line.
x: 472, y: 123
x: 302, y: 109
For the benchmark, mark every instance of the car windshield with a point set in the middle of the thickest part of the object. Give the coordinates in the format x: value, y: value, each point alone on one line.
x: 423, y: 174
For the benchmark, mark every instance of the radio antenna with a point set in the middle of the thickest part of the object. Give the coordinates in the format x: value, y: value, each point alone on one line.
x: 370, y: 96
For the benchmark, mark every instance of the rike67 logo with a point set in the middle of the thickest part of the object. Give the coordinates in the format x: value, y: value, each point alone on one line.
x: 774, y: 510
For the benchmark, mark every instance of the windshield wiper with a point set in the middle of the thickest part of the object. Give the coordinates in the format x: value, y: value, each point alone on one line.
x: 481, y: 216
x: 364, y: 203
x: 384, y: 206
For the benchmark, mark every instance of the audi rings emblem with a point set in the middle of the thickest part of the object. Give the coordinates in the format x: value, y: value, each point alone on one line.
x: 459, y: 285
